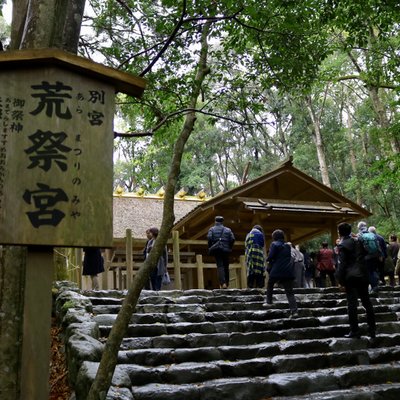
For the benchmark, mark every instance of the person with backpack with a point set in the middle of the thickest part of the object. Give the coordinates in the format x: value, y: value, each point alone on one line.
x: 220, y: 242
x: 372, y: 254
x: 383, y: 256
x: 353, y: 275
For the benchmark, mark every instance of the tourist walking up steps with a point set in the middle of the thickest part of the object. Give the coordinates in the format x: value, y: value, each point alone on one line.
x: 220, y: 242
x: 326, y: 264
x: 352, y: 274
x: 255, y: 258
x: 281, y: 270
x: 372, y: 254
x: 392, y: 252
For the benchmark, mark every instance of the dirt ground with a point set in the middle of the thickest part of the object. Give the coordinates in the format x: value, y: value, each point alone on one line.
x: 59, y: 388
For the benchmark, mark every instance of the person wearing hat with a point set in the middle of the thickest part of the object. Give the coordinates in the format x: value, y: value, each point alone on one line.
x: 220, y: 242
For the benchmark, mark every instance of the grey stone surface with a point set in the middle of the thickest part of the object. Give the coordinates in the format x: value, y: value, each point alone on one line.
x: 205, y: 345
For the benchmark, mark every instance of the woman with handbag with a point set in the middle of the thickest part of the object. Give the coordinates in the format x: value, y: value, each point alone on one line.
x: 220, y: 242
x: 159, y: 271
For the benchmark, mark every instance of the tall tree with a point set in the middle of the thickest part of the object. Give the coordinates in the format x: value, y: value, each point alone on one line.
x: 108, y: 361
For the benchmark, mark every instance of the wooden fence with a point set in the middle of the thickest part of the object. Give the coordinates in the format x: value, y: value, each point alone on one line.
x: 189, y: 265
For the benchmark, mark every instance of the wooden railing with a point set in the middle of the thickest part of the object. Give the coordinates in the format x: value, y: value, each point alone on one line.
x: 186, y: 264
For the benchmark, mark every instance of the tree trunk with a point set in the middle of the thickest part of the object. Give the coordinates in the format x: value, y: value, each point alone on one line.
x: 317, y: 136
x: 39, y: 25
x: 382, y: 117
x: 102, y: 381
x: 353, y: 161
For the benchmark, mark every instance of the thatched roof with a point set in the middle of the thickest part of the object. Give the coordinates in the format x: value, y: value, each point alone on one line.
x: 139, y: 213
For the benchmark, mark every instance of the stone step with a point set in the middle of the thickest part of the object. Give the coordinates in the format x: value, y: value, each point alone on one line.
x: 322, y: 315
x: 209, y: 345
x: 165, y: 303
x: 197, y: 340
x: 195, y: 372
x: 209, y: 327
x: 169, y: 355
x: 386, y: 391
x: 292, y: 384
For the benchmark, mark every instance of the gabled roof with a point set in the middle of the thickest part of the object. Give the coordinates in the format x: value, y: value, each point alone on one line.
x: 285, y: 198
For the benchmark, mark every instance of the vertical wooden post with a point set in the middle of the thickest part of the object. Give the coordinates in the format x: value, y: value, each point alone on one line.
x: 107, y: 261
x: 200, y: 270
x: 243, y: 272
x: 177, y: 263
x: 36, y: 325
x: 79, y: 269
x: 129, y: 258
x: 334, y: 235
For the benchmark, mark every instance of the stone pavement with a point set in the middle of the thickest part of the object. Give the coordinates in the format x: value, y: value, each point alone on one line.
x: 212, y: 345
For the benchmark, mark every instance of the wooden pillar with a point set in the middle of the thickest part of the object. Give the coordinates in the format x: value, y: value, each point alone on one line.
x: 243, y: 272
x: 107, y: 263
x: 334, y: 234
x: 200, y: 271
x: 129, y: 258
x: 79, y: 266
x: 176, y: 256
x: 36, y: 325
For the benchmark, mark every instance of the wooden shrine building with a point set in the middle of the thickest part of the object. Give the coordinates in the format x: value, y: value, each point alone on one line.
x: 284, y: 198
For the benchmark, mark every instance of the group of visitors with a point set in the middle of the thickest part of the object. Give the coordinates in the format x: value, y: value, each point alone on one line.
x: 357, y: 263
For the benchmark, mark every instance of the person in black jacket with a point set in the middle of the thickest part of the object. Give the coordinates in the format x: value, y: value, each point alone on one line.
x: 221, y: 233
x: 352, y: 274
x: 281, y: 270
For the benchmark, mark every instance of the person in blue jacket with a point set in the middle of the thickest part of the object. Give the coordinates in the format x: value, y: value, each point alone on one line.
x: 281, y: 270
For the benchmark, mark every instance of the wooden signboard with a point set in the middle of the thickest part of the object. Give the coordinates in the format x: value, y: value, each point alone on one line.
x: 56, y: 148
x: 56, y: 154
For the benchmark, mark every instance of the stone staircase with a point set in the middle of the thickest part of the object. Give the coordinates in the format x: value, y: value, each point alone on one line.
x: 209, y: 345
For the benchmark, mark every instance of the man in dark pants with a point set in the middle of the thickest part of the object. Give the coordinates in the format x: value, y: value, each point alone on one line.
x: 281, y: 270
x: 352, y: 273
x: 225, y: 236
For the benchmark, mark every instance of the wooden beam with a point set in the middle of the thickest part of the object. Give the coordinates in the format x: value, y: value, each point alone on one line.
x: 31, y: 58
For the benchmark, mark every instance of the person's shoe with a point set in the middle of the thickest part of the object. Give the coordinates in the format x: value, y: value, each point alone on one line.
x: 267, y: 305
x: 294, y: 314
x: 353, y: 335
x: 374, y: 291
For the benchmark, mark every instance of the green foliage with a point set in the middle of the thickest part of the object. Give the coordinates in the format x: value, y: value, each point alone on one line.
x: 5, y: 30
